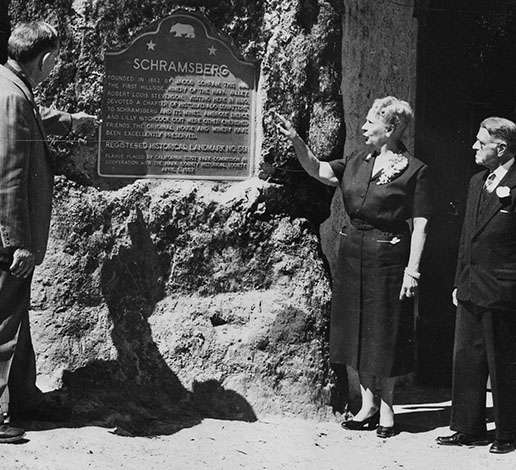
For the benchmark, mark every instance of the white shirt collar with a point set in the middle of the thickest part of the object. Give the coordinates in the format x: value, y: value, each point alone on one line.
x: 503, y: 169
x: 498, y: 175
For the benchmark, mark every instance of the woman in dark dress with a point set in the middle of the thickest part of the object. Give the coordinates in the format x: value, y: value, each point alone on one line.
x: 383, y: 189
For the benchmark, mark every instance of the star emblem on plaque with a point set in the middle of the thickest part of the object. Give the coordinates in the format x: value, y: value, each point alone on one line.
x: 184, y: 109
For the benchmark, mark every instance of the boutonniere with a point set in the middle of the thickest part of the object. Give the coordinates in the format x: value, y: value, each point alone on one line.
x: 504, y: 194
x: 395, y: 166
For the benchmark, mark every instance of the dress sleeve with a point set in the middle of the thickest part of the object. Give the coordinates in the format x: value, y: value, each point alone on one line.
x: 423, y: 203
x: 338, y: 167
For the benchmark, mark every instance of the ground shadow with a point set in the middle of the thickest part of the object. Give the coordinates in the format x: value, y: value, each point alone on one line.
x: 423, y: 418
x: 422, y: 409
x: 137, y: 394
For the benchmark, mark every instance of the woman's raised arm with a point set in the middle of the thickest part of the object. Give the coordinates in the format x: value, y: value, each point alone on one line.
x: 321, y: 171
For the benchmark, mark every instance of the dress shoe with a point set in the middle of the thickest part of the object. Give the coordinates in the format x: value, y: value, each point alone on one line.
x: 500, y: 446
x: 10, y: 434
x: 385, y: 432
x: 462, y: 439
x: 366, y: 424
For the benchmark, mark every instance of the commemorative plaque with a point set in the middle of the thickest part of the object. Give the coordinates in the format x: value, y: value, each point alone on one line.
x: 178, y: 103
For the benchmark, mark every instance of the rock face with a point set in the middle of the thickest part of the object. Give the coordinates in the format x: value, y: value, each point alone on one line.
x: 185, y: 299
x: 163, y: 302
x: 189, y: 284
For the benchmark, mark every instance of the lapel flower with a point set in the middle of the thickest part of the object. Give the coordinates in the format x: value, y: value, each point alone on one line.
x: 504, y: 194
x: 395, y: 166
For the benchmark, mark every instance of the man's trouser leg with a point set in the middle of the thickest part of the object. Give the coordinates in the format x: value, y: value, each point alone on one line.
x: 500, y: 338
x: 470, y: 371
x: 14, y: 305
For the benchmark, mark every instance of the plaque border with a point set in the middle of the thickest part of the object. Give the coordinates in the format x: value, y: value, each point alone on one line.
x: 209, y: 29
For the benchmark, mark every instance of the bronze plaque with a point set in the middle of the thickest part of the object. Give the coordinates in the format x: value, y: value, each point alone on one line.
x: 178, y: 103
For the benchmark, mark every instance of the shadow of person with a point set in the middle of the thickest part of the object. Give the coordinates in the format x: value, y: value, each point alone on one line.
x: 423, y: 409
x: 214, y: 401
x: 427, y: 418
x: 136, y: 394
x: 423, y: 418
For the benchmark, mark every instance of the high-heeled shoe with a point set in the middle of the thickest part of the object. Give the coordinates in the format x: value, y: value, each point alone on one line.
x: 385, y: 432
x: 366, y: 424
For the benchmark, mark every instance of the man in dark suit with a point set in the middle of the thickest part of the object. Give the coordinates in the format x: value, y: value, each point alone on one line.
x: 4, y: 29
x: 26, y: 180
x: 485, y: 295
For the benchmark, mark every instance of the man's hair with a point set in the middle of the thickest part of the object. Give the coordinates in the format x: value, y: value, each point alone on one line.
x: 28, y: 40
x: 503, y: 129
x: 393, y: 112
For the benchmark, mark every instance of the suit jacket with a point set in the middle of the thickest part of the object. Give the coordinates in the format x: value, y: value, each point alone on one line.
x: 26, y: 167
x: 4, y: 29
x: 486, y: 268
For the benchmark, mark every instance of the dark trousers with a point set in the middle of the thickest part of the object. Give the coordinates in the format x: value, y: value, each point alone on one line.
x: 485, y: 344
x: 18, y: 389
x: 4, y: 37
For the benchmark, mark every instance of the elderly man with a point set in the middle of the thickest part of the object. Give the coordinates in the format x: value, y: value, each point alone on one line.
x: 26, y: 179
x: 485, y: 295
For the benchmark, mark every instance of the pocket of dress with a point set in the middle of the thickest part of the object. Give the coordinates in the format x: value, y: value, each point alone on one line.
x: 392, y: 241
x: 392, y: 250
x: 342, y: 232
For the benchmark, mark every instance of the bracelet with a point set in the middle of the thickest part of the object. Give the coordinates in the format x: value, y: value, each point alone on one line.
x: 413, y: 274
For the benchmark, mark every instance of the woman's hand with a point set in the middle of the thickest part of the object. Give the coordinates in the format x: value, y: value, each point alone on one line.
x: 285, y: 126
x: 408, y: 287
x: 321, y: 171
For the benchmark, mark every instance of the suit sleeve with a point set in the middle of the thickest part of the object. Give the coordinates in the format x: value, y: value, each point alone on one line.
x: 460, y: 254
x: 460, y: 257
x: 55, y: 122
x: 15, y: 144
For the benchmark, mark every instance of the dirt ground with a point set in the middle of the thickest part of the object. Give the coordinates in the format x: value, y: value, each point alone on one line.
x: 269, y: 443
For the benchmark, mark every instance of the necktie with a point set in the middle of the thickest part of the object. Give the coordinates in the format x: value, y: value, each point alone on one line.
x: 489, y: 182
x: 486, y: 191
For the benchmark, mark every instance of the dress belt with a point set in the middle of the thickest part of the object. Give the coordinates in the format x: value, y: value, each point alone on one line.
x: 364, y: 226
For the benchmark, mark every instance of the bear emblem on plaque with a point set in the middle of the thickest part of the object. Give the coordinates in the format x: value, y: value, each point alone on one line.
x: 182, y: 30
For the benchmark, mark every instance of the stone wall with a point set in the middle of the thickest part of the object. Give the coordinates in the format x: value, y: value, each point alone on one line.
x: 162, y: 302
x: 379, y: 41
x: 177, y: 299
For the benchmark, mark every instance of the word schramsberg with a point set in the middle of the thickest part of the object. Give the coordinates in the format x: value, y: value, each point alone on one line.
x: 193, y: 68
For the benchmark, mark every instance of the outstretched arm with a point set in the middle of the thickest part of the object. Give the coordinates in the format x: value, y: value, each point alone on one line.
x: 61, y: 123
x: 321, y: 171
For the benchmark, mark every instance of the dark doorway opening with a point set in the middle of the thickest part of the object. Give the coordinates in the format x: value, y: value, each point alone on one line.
x: 465, y: 72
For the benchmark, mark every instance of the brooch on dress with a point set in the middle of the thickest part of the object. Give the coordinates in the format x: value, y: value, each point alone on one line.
x: 395, y: 166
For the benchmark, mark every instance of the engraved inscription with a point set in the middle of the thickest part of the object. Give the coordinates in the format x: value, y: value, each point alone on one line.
x: 174, y: 107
